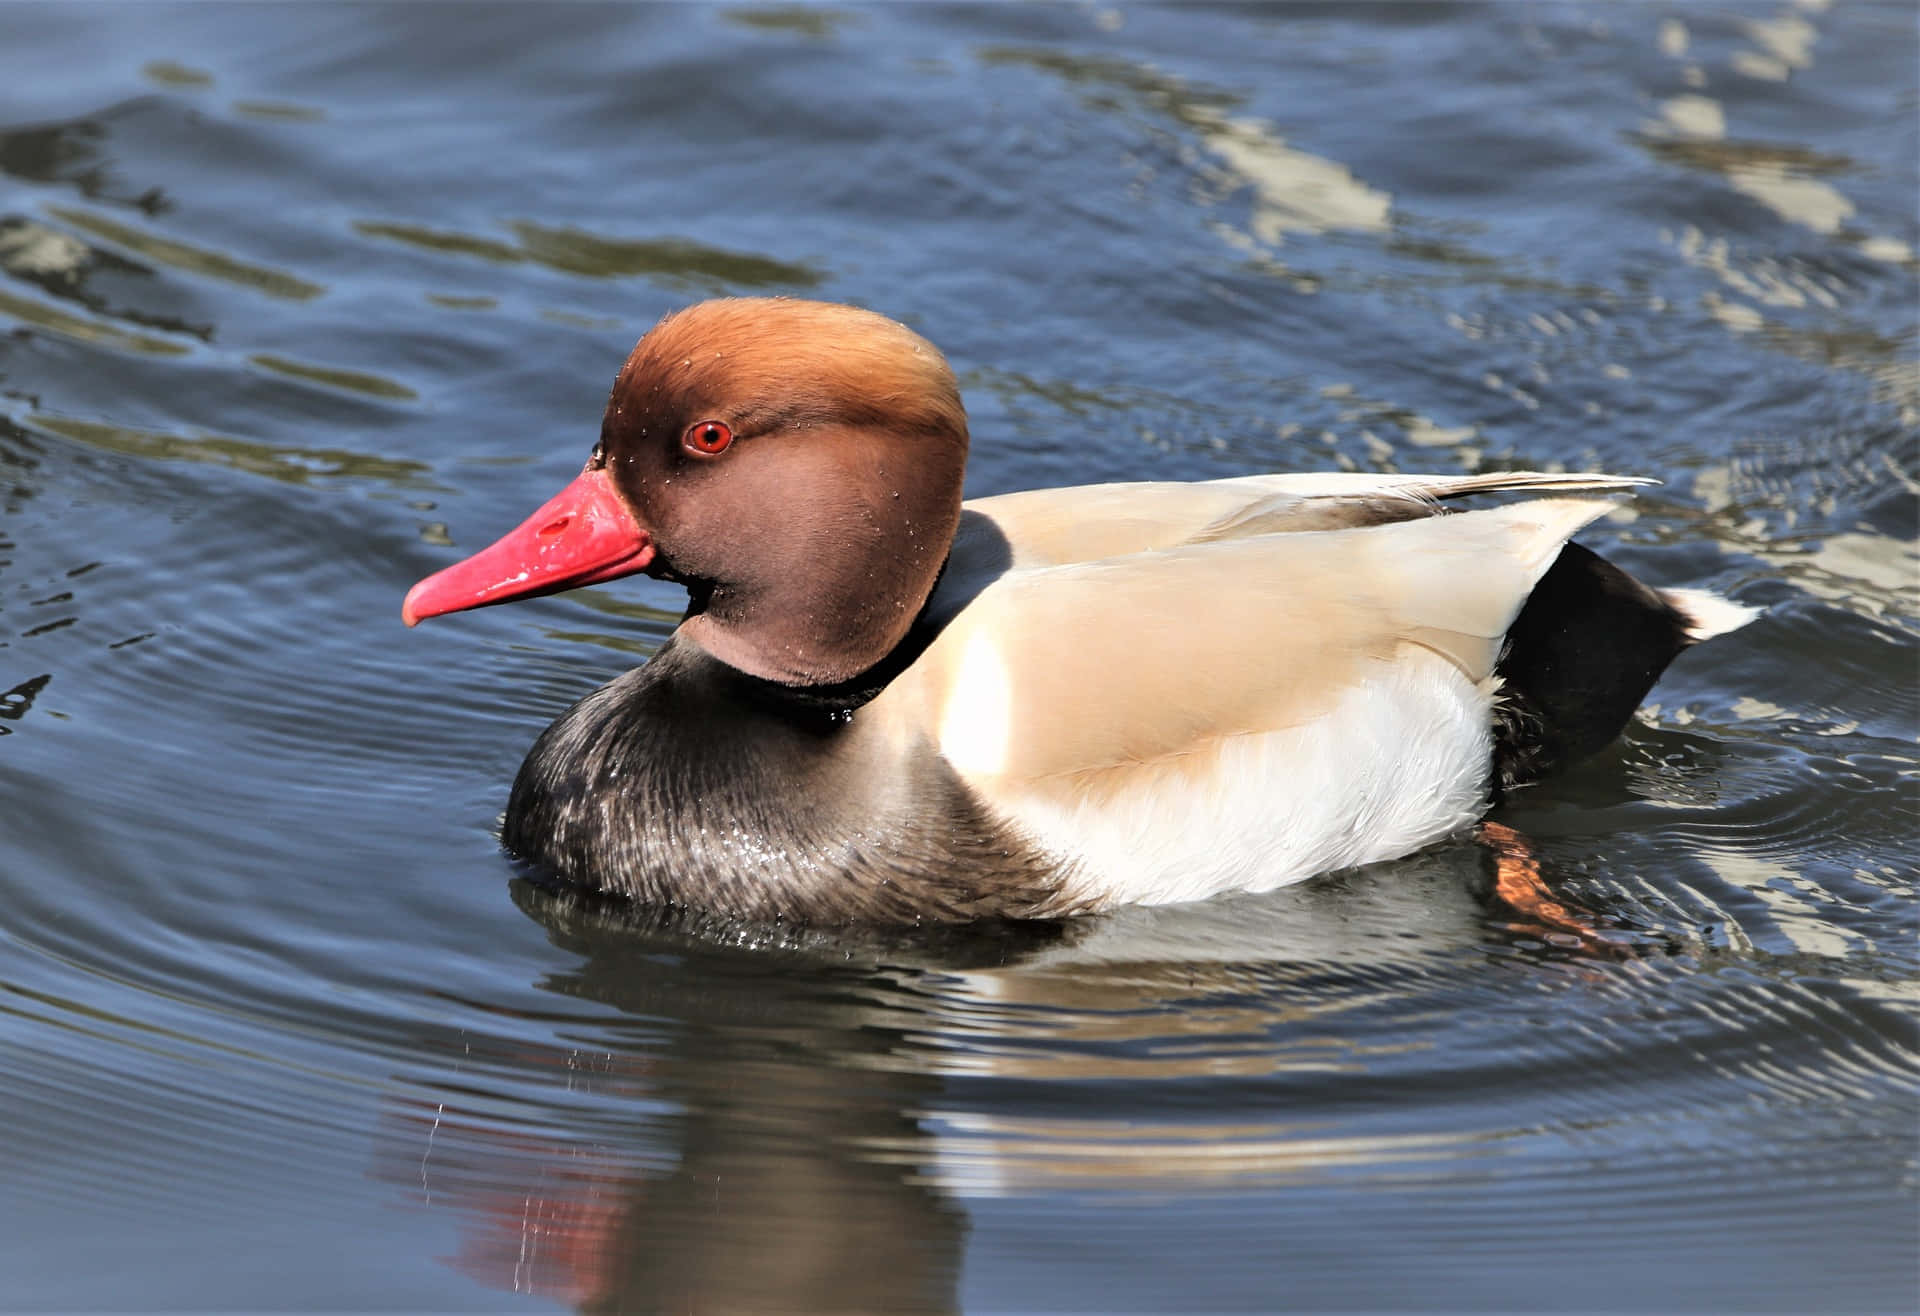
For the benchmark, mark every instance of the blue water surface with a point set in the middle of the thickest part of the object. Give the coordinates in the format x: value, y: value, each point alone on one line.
x: 299, y: 303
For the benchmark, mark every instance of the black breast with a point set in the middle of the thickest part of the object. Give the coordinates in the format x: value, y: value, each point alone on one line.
x: 686, y: 782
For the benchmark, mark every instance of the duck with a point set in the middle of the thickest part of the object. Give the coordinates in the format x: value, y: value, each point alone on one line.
x: 889, y: 705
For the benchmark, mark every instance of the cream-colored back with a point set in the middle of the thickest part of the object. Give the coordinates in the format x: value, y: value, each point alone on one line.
x: 1052, y: 527
x: 1158, y: 643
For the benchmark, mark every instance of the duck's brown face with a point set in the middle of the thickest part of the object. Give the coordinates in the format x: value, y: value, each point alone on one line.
x: 796, y: 464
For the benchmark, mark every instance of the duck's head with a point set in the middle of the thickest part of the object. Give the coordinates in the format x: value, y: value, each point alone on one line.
x: 796, y: 465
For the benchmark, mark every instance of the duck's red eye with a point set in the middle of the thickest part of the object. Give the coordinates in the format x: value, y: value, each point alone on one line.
x: 709, y: 438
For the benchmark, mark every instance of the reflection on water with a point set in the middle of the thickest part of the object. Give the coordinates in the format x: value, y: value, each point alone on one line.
x: 1260, y: 1049
x: 1294, y: 191
x: 54, y: 153
x: 168, y: 73
x: 278, y: 111
x: 63, y: 266
x: 184, y: 256
x: 572, y: 251
x: 353, y: 381
x: 34, y: 251
x: 1784, y: 177
x: 815, y: 21
x: 42, y: 316
x: 290, y: 465
x: 297, y: 304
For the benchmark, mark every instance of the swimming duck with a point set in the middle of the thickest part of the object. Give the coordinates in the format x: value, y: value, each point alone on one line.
x: 888, y: 705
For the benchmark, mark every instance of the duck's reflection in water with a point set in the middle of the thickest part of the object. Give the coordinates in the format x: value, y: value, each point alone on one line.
x: 788, y: 1122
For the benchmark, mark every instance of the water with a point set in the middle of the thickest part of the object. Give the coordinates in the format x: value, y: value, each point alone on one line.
x: 301, y: 302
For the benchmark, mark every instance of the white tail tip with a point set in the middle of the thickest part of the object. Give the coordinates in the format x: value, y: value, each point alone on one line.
x: 1708, y: 614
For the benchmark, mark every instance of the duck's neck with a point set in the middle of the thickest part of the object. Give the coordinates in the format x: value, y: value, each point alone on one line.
x: 829, y: 615
x: 773, y: 685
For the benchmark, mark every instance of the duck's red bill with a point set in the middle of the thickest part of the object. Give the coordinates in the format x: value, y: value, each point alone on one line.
x: 584, y: 534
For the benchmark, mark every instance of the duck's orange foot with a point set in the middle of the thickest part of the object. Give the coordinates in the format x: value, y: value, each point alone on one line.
x: 1519, y: 885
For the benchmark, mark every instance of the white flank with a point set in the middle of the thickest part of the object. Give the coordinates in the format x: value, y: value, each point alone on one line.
x: 1399, y: 761
x: 977, y: 718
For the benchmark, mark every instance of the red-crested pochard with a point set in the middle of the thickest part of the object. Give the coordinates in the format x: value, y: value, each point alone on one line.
x: 885, y: 705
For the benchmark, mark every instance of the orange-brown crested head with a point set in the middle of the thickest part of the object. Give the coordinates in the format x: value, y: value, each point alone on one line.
x: 797, y: 465
x: 773, y: 365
